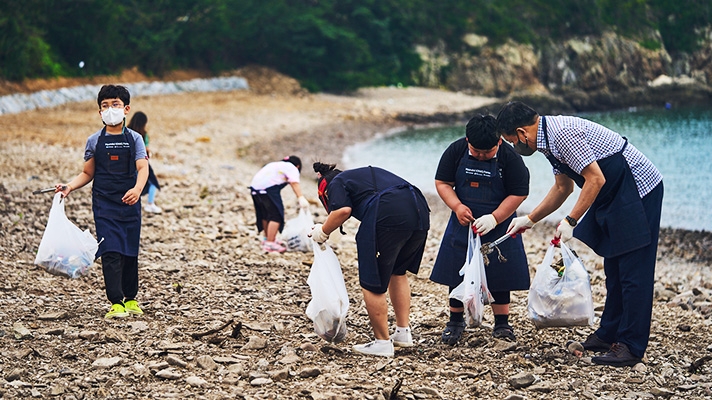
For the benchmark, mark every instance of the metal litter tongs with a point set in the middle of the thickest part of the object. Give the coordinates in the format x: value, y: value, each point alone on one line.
x: 489, y: 247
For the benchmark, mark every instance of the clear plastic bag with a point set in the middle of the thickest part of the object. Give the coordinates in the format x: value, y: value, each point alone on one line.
x: 473, y: 291
x: 330, y: 301
x: 564, y: 300
x: 296, y: 231
x: 65, y: 250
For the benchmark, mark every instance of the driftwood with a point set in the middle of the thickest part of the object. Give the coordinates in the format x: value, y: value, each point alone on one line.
x: 198, y: 335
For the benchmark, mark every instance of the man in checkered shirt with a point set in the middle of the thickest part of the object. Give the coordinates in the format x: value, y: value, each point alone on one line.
x: 621, y: 197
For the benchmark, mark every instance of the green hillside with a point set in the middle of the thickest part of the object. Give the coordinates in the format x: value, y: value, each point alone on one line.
x: 327, y: 44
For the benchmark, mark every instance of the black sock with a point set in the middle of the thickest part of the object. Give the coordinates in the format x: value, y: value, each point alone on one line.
x: 502, y: 319
x: 457, y: 316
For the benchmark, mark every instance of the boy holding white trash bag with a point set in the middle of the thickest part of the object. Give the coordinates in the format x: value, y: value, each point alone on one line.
x: 115, y: 161
x: 395, y: 219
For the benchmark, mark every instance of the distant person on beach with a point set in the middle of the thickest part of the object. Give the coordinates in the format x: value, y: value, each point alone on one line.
x: 483, y: 182
x: 395, y: 219
x: 621, y: 196
x: 115, y: 159
x: 265, y: 188
x: 138, y: 123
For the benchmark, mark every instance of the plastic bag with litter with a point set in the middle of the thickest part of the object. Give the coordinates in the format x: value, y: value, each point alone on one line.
x: 330, y: 301
x: 473, y: 291
x: 296, y: 231
x: 560, y: 300
x: 65, y: 250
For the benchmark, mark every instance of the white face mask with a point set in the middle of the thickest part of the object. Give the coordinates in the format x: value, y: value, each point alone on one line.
x: 112, y: 116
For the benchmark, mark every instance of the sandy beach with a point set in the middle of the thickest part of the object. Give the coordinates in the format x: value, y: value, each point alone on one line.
x: 225, y: 320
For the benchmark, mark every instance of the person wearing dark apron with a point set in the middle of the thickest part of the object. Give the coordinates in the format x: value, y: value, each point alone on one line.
x: 619, y: 210
x: 483, y: 182
x: 395, y: 219
x: 115, y: 159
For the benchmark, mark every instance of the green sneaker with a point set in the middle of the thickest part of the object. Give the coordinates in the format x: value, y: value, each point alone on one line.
x: 132, y: 307
x: 117, y: 311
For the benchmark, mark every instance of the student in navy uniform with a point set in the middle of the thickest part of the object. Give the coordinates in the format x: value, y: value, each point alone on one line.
x: 482, y: 181
x: 395, y: 219
x: 621, y: 196
x: 115, y: 159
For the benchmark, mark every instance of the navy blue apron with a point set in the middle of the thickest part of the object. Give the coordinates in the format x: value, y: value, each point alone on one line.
x: 117, y: 224
x: 273, y: 192
x: 482, y: 190
x: 617, y: 205
x: 367, y: 213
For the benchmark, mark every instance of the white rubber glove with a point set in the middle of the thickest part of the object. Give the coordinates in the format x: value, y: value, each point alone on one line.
x: 485, y: 224
x: 564, y: 231
x: 317, y: 233
x: 303, y: 203
x: 519, y: 225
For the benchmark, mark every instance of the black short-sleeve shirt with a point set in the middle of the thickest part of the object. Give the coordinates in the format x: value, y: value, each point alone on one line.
x: 398, y: 209
x: 515, y: 174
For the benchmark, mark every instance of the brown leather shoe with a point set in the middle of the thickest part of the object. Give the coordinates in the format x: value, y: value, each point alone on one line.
x: 595, y: 344
x: 618, y: 356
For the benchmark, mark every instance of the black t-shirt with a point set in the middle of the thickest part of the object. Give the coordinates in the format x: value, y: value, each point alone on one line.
x: 400, y: 209
x: 515, y: 174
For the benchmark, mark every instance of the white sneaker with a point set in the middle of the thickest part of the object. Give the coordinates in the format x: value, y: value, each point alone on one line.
x: 152, y: 208
x: 376, y: 348
x: 402, y: 338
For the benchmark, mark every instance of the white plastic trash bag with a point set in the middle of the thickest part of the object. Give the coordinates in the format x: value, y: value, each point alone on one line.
x: 473, y: 291
x: 296, y: 230
x: 330, y: 301
x: 564, y: 300
x: 65, y: 250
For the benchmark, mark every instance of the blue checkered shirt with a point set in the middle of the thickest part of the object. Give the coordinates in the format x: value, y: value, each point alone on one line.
x: 578, y: 142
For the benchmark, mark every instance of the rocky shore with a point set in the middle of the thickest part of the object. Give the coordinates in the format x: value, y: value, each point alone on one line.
x: 224, y: 320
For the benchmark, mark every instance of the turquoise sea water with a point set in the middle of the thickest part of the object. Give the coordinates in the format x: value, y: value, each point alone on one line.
x: 678, y: 142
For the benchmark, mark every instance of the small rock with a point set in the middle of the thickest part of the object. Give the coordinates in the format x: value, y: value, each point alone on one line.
x: 661, y: 392
x: 196, y: 381
x: 640, y: 367
x: 53, y: 316
x: 20, y: 331
x: 290, y: 359
x: 206, y: 362
x: 687, y: 387
x: 15, y: 374
x: 260, y: 381
x: 515, y: 397
x: 503, y: 345
x: 309, y: 372
x: 521, y: 380
x: 307, y: 347
x: 255, y: 343
x: 169, y: 373
x: 89, y: 335
x: 279, y: 375
x: 103, y: 363
x: 176, y: 361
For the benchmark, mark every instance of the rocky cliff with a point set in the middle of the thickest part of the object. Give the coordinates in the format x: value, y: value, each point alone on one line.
x: 584, y: 73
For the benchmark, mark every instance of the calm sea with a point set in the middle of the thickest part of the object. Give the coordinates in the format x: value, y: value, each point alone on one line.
x: 678, y: 141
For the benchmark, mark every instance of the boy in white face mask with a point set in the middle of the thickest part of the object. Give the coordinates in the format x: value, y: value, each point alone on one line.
x: 115, y: 159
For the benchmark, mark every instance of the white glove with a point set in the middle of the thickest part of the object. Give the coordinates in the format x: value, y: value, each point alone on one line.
x: 485, y: 224
x: 564, y: 231
x: 303, y: 203
x: 317, y: 233
x: 519, y: 225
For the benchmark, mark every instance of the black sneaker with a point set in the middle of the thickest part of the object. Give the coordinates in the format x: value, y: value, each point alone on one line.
x: 618, y: 356
x: 505, y: 332
x: 453, y: 332
x: 595, y: 344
